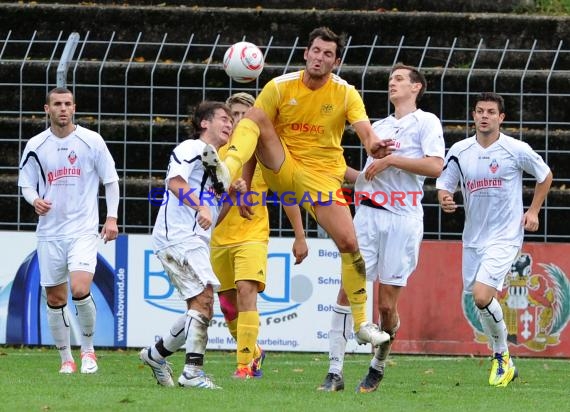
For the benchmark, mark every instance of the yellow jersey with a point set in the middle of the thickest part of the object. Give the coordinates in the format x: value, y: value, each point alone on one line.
x: 234, y: 229
x: 311, y: 122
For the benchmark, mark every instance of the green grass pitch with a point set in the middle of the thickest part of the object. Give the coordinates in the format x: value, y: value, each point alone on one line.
x: 29, y: 381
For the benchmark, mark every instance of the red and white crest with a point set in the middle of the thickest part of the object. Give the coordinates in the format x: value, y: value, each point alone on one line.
x: 72, y: 157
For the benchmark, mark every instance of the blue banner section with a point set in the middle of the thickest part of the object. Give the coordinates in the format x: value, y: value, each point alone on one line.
x: 26, y: 313
x: 23, y: 326
x: 121, y: 278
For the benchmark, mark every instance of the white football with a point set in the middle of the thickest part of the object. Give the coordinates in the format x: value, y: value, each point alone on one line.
x: 243, y: 62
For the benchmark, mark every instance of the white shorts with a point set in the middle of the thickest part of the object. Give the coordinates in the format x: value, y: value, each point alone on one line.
x: 58, y: 258
x: 189, y: 269
x: 488, y: 265
x: 389, y: 244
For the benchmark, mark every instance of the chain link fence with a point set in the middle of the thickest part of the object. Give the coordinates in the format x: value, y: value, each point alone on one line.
x: 137, y: 94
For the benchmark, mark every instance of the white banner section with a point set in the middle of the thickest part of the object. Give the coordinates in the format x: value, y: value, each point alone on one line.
x: 137, y: 304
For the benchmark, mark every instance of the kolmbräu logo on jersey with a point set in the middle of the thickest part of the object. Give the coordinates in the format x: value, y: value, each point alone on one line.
x: 63, y: 172
x: 536, y: 306
x: 485, y: 183
x: 277, y: 298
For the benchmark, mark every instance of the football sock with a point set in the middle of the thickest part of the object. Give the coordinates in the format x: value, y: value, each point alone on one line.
x: 494, y: 325
x: 233, y: 327
x: 156, y: 353
x: 196, y: 330
x: 86, y: 315
x: 173, y: 341
x: 257, y: 351
x: 58, y: 321
x: 381, y: 353
x: 244, y: 142
x: 247, y: 331
x: 353, y: 276
x: 341, y: 328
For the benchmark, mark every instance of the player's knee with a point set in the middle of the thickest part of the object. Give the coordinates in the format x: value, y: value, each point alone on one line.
x: 56, y: 301
x: 247, y: 288
x: 204, y: 302
x: 56, y: 296
x: 481, y: 301
x: 347, y: 244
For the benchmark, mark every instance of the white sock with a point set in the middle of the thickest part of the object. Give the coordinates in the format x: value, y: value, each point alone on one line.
x: 58, y: 321
x: 173, y: 340
x: 86, y: 315
x: 494, y: 326
x: 381, y: 353
x: 176, y: 338
x: 196, y: 329
x: 341, y: 328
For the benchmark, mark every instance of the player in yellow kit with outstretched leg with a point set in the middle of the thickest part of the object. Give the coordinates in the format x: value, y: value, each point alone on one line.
x: 295, y: 130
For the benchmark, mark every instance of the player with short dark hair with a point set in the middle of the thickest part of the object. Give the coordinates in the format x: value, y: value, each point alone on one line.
x: 60, y: 172
x: 390, y: 232
x: 489, y: 169
x: 295, y: 130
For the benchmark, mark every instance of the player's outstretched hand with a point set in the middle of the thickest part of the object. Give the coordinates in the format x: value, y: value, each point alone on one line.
x: 377, y: 166
x: 382, y: 148
x: 42, y: 206
x: 243, y: 202
x: 530, y: 221
x: 300, y: 250
x: 239, y: 186
x: 447, y: 204
x: 204, y: 217
x: 245, y: 210
x: 110, y: 230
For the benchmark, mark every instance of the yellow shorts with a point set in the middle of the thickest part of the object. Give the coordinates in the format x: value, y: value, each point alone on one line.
x: 241, y: 262
x: 308, y: 187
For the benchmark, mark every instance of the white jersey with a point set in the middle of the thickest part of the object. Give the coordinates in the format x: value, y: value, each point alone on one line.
x: 491, y: 183
x: 67, y: 171
x: 176, y: 222
x: 416, y: 135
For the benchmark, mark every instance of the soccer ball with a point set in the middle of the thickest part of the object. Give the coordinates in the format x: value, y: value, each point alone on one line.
x: 243, y: 62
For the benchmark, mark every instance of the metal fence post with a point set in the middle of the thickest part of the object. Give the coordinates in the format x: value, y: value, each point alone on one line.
x: 66, y: 56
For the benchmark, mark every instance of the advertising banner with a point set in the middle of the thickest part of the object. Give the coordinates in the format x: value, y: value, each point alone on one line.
x: 294, y: 308
x: 23, y: 318
x: 438, y: 319
x: 136, y: 303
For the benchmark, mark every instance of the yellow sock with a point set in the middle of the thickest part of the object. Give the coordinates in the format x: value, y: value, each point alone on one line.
x: 232, y: 327
x: 353, y: 276
x: 257, y: 351
x: 247, y: 332
x: 242, y: 147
